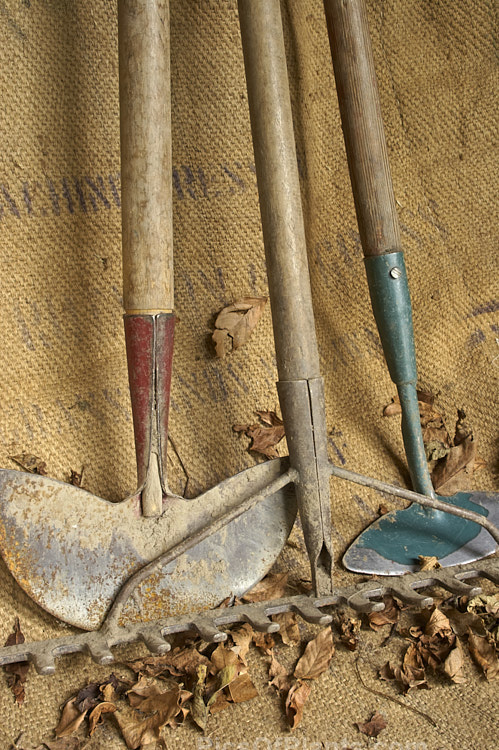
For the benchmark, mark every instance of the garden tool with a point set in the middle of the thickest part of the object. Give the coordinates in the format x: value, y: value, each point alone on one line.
x: 301, y: 396
x: 72, y: 551
x: 392, y: 544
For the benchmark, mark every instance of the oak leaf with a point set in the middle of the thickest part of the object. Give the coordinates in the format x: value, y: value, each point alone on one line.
x: 235, y: 324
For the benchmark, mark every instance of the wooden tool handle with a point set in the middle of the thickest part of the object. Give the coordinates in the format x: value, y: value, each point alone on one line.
x: 362, y: 126
x: 146, y: 165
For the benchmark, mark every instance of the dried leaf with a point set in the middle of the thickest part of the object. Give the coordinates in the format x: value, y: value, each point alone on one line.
x: 30, y: 463
x: 138, y: 732
x: 17, y: 674
x: 374, y: 726
x: 71, y: 719
x: 411, y: 675
x: 316, y: 657
x: 437, y: 641
x: 388, y: 616
x: 88, y: 697
x: 242, y: 638
x: 392, y: 409
x: 281, y: 679
x: 273, y: 586
x: 224, y: 657
x: 484, y: 654
x: 235, y: 324
x: 288, y: 628
x: 76, y: 478
x: 242, y: 689
x: 350, y: 631
x: 199, y: 709
x: 428, y: 562
x: 220, y: 703
x: 179, y: 662
x: 454, y: 664
x: 454, y: 472
x: 95, y: 717
x: 264, y: 641
x: 461, y: 622
x: 264, y: 436
x: 295, y: 702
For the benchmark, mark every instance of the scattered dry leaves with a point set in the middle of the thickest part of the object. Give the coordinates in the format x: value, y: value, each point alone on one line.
x: 235, y: 324
x: 264, y: 435
x: 17, y: 674
x: 373, y: 726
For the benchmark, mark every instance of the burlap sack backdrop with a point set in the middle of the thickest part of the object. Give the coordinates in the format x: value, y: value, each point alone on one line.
x: 63, y: 380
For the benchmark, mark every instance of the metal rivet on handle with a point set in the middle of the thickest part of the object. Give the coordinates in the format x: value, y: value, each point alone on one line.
x: 395, y: 272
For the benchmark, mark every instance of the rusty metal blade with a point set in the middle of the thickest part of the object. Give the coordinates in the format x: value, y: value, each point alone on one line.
x: 72, y: 551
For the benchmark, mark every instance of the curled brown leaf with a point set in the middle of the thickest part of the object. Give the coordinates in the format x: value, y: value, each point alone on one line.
x: 264, y: 436
x: 235, y: 324
x: 295, y: 702
x: 71, y: 719
x: 280, y: 678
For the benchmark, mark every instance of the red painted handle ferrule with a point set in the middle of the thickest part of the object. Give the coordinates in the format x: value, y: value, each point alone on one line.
x: 149, y: 348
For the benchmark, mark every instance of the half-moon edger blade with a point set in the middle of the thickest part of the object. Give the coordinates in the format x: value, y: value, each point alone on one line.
x: 72, y: 551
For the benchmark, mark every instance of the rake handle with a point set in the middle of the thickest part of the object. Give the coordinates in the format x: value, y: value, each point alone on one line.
x: 362, y: 126
x: 146, y: 161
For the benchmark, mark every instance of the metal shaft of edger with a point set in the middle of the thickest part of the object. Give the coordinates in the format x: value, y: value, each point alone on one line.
x: 300, y: 387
